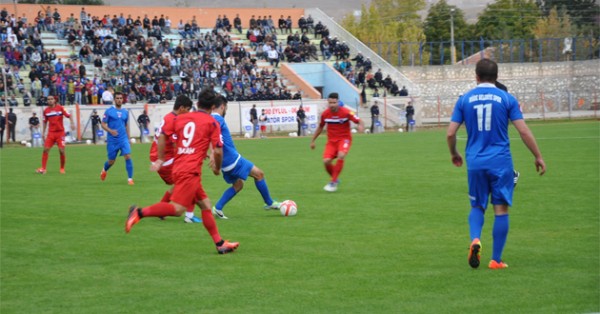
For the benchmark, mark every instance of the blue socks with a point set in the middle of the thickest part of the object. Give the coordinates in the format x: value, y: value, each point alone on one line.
x: 107, y: 166
x: 476, y: 219
x: 226, y: 197
x: 499, y: 234
x: 129, y: 167
x: 264, y: 191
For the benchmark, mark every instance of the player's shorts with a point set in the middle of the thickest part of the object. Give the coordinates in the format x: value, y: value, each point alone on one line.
x: 166, y: 173
x: 497, y: 182
x: 188, y: 189
x: 240, y: 171
x: 113, y: 148
x: 55, y: 137
x: 263, y: 128
x: 333, y: 148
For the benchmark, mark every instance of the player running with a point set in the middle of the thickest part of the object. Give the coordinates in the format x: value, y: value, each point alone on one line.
x: 162, y: 152
x: 115, y: 123
x: 53, y: 116
x: 236, y: 168
x: 194, y: 132
x: 339, y: 137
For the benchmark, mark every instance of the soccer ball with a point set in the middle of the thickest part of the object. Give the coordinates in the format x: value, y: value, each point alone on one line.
x: 400, y: 130
x: 247, y: 135
x: 288, y: 208
x: 27, y: 144
x: 89, y: 142
x: 353, y: 131
x: 133, y: 140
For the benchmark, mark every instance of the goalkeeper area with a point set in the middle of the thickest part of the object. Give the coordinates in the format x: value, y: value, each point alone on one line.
x: 393, y: 239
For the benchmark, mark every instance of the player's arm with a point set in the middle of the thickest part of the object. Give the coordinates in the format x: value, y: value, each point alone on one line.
x: 161, y: 144
x: 530, y: 142
x: 217, y: 160
x: 107, y: 129
x: 44, y: 125
x: 451, y: 139
x: 361, y: 126
x: 127, y: 128
x: 71, y: 120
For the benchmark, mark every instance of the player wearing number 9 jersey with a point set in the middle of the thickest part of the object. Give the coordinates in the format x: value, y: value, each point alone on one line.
x: 194, y: 133
x: 486, y: 111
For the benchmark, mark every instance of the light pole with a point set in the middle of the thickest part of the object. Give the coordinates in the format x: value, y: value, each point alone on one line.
x: 452, y: 49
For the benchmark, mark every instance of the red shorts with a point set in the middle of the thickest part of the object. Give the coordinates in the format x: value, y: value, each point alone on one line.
x: 166, y: 173
x: 55, y: 137
x: 263, y: 128
x: 333, y: 148
x: 188, y: 189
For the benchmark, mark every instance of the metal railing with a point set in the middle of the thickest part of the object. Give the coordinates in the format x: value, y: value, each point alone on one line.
x: 502, y: 51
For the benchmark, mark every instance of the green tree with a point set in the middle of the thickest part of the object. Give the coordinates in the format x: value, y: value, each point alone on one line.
x: 584, y: 13
x: 507, y: 19
x: 385, y: 23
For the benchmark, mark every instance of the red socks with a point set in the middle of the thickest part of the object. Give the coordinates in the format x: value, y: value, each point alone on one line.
x: 63, y: 158
x: 159, y: 210
x: 44, y: 160
x: 211, y: 226
x: 337, y: 169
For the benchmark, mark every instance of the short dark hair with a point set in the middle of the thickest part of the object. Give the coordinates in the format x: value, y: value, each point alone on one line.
x: 334, y: 96
x: 118, y: 93
x: 182, y: 101
x: 207, y: 99
x: 487, y: 70
x: 221, y: 100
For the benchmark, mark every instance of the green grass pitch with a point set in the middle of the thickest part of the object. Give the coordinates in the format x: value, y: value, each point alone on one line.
x: 393, y: 239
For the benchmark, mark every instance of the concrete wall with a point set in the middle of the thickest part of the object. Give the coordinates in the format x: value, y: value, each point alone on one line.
x: 549, y: 87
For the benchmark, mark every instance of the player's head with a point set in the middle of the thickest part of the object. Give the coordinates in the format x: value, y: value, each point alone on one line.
x: 207, y: 99
x: 183, y: 104
x: 486, y: 71
x: 50, y: 101
x: 220, y: 106
x: 333, y: 101
x: 118, y: 99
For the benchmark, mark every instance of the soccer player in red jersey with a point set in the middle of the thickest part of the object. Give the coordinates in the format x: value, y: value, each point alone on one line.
x: 194, y: 133
x: 339, y: 137
x: 162, y: 151
x: 53, y: 116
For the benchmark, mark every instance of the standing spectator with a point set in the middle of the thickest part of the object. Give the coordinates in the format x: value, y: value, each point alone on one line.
x: 374, y: 116
x: 96, y: 121
x: 410, y: 117
x: 12, y: 123
x: 489, y: 161
x: 254, y: 120
x: 107, y: 96
x: 53, y: 116
x: 273, y: 56
x: 143, y: 121
x: 115, y: 123
x: 237, y: 23
x: 339, y: 137
x: 198, y: 130
x: 300, y: 119
x: 2, y: 126
x: 262, y: 120
x: 34, y: 128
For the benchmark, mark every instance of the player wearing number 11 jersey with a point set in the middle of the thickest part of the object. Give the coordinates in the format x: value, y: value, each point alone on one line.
x: 486, y: 111
x: 194, y: 133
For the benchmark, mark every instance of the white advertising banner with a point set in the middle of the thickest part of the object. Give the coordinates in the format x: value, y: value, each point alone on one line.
x: 282, y: 117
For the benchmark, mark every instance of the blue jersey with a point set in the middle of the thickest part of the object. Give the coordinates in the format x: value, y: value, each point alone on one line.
x: 486, y: 111
x: 230, y: 154
x: 116, y: 119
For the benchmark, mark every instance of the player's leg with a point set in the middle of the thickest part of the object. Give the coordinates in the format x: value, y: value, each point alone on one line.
x: 479, y: 194
x: 126, y: 152
x: 261, y: 185
x: 47, y: 146
x: 61, y: 150
x: 228, y: 195
x: 342, y: 151
x: 157, y: 210
x: 502, y: 192
x: 223, y: 246
x: 111, y: 151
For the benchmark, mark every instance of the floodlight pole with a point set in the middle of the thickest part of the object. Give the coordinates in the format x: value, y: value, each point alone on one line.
x: 452, y: 49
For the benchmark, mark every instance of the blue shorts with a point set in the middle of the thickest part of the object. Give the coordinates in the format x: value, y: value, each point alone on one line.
x: 240, y: 171
x: 113, y: 148
x: 497, y: 182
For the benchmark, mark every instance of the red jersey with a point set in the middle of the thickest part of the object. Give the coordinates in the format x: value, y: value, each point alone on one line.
x: 167, y: 126
x: 338, y: 123
x: 54, y: 116
x: 194, y: 132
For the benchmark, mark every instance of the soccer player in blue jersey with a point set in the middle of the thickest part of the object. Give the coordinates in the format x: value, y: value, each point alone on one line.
x: 115, y: 123
x: 486, y: 111
x: 236, y: 168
